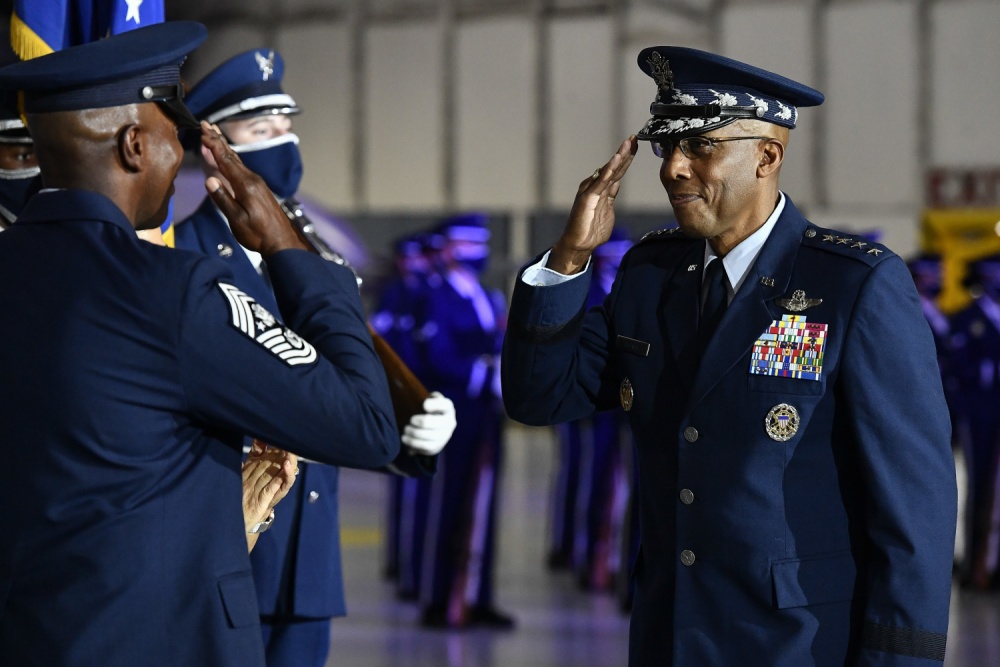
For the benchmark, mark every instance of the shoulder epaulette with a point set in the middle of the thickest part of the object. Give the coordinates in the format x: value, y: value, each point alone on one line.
x: 663, y: 234
x: 846, y: 245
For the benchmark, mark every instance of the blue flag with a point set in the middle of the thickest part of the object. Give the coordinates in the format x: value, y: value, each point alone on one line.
x: 39, y: 27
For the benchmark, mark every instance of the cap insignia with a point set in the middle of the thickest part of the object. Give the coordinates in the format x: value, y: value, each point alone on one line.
x: 266, y: 65
x: 659, y: 69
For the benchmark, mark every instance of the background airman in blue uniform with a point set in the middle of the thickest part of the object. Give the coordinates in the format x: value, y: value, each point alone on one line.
x: 297, y: 563
x: 796, y: 482
x: 975, y: 362
x: 134, y: 372
x: 460, y: 337
x: 19, y: 174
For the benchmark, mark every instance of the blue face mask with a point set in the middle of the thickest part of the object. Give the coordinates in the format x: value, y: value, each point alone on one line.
x: 277, y: 161
x: 17, y: 186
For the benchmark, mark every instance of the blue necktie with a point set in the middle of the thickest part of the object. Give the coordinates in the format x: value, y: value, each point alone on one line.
x: 716, y: 299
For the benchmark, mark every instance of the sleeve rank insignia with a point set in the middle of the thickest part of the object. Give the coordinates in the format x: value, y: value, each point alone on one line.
x: 252, y: 319
x: 798, y: 302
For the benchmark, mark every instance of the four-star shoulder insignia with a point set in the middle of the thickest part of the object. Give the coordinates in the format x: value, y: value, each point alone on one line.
x: 659, y: 233
x: 844, y: 245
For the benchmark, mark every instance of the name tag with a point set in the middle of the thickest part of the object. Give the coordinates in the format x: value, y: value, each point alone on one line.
x: 632, y: 346
x: 791, y: 348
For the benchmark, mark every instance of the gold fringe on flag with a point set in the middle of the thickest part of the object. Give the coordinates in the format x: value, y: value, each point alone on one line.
x: 24, y: 41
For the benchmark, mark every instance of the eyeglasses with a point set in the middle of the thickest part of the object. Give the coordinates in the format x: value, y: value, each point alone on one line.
x: 693, y: 147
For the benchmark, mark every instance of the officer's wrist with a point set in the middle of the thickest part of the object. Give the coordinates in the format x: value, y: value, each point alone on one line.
x: 261, y: 526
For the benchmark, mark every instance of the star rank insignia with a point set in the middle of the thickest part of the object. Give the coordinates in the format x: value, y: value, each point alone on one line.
x: 798, y: 302
x: 875, y: 251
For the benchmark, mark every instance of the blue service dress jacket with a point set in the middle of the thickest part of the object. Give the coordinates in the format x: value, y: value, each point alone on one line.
x: 131, y: 374
x: 297, y: 562
x: 786, y: 521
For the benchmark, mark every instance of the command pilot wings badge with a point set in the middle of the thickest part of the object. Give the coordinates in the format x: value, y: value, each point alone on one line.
x: 798, y: 302
x: 256, y: 322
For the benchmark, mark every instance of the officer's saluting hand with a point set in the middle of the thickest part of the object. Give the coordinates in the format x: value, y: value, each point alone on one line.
x: 253, y: 213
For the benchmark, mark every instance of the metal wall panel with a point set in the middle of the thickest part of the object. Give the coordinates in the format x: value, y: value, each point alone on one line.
x: 403, y: 105
x: 496, y: 121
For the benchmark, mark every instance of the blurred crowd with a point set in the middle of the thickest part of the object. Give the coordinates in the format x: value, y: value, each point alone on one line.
x: 968, y: 348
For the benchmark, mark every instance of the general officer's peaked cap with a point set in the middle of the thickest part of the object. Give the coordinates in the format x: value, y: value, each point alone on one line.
x: 246, y: 85
x: 134, y: 67
x: 697, y: 91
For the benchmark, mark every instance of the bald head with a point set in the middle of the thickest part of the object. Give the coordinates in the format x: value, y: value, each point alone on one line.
x: 128, y: 153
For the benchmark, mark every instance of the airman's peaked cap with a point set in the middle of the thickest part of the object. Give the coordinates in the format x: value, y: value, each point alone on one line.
x: 244, y: 86
x: 134, y: 67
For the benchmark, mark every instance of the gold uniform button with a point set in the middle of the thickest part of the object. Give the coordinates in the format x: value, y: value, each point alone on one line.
x: 313, y: 496
x: 691, y: 434
x: 687, y: 557
x: 687, y: 496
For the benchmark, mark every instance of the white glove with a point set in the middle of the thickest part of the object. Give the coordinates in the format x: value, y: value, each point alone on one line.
x: 429, y: 432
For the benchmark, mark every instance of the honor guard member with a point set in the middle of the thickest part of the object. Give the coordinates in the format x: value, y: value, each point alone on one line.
x: 296, y: 564
x: 796, y: 483
x: 19, y: 174
x: 395, y: 320
x: 975, y: 357
x: 134, y: 370
x: 462, y: 330
x: 589, y: 488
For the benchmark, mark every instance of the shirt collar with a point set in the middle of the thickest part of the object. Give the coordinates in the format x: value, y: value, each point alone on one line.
x: 738, y: 261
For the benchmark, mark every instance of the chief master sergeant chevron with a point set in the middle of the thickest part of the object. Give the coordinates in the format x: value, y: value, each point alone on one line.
x: 132, y: 371
x: 796, y: 485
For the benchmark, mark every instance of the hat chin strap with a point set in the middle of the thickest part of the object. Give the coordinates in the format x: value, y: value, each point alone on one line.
x: 703, y: 111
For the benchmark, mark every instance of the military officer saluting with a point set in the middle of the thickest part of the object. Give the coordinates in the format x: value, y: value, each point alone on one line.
x: 797, y: 489
x: 133, y: 372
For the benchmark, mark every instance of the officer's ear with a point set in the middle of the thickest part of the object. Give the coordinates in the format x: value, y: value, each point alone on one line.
x: 772, y: 154
x: 131, y: 147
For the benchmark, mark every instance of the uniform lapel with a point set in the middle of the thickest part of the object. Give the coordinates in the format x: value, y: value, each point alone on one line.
x: 752, y: 310
x: 679, y: 311
x: 216, y: 240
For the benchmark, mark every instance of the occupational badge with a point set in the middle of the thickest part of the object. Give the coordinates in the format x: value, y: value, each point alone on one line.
x: 782, y: 422
x: 251, y: 318
x: 792, y: 348
x: 626, y: 394
x: 798, y: 302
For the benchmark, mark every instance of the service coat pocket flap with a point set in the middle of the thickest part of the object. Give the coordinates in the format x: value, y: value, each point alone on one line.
x: 239, y: 599
x: 814, y: 580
